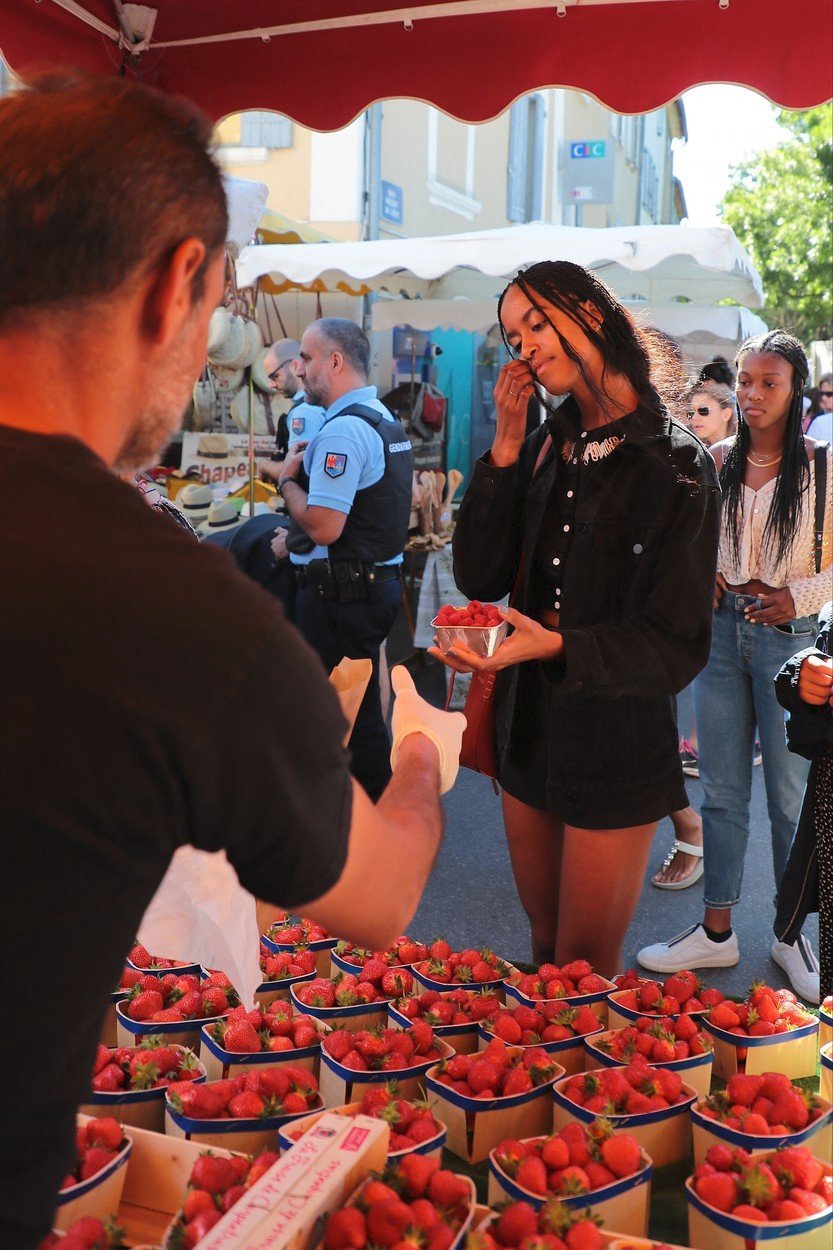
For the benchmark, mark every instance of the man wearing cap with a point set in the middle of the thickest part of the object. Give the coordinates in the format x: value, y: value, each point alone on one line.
x: 348, y: 493
x: 303, y: 420
x: 150, y: 691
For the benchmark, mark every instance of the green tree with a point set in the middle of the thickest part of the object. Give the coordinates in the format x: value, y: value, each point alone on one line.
x: 780, y: 208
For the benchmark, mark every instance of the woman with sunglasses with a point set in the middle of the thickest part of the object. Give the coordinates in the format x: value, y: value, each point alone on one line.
x: 604, y: 521
x: 773, y: 577
x: 821, y: 410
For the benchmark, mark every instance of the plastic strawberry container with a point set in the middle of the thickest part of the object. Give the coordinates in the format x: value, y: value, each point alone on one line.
x: 483, y: 640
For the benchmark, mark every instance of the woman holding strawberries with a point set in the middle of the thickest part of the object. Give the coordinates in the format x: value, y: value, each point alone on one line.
x: 604, y: 521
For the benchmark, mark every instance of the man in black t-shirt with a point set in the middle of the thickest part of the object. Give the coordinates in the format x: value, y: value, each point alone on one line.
x: 134, y: 719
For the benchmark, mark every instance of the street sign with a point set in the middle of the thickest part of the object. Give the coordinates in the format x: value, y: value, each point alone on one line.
x: 589, y: 168
x: 391, y: 203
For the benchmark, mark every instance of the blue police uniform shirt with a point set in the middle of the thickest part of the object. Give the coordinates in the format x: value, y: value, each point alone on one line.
x: 304, y: 420
x: 346, y: 455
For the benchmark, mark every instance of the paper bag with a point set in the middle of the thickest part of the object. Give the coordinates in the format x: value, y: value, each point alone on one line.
x: 350, y: 679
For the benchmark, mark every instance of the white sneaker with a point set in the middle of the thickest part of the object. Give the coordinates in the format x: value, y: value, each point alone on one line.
x: 801, y: 966
x: 691, y: 949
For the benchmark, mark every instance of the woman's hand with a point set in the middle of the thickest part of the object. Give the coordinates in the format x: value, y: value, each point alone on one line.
x: 514, y: 386
x: 719, y: 587
x: 529, y: 641
x: 815, y: 680
x: 777, y: 608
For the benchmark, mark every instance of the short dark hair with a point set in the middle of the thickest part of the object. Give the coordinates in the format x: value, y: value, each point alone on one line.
x: 100, y: 179
x: 349, y: 339
x: 718, y: 370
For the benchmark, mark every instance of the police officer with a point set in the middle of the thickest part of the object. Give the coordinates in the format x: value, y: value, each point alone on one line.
x: 348, y: 494
x: 303, y: 419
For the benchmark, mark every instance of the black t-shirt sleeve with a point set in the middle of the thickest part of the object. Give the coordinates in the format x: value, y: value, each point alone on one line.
x: 273, y: 786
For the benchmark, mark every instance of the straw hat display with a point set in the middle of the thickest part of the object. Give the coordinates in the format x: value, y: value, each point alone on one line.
x: 228, y: 380
x: 205, y: 402
x: 194, y: 503
x: 261, y: 405
x: 212, y: 446
x: 222, y: 517
x: 231, y: 349
x: 218, y: 329
x: 259, y: 375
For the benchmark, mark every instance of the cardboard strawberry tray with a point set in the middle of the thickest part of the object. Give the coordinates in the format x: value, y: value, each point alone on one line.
x: 696, y: 1070
x: 141, y: 1107
x: 221, y: 1061
x: 291, y: 1133
x: 98, y: 1194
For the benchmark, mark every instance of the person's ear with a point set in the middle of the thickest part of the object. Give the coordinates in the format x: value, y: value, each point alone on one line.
x: 169, y: 292
x: 338, y: 362
x: 591, y: 314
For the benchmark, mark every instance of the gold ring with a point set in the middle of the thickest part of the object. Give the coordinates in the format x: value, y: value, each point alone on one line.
x: 511, y: 392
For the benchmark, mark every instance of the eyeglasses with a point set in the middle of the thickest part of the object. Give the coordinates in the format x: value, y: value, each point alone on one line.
x: 825, y: 394
x: 273, y: 376
x: 699, y: 412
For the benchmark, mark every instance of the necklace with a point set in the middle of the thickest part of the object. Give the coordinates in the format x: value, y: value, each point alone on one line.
x: 762, y: 464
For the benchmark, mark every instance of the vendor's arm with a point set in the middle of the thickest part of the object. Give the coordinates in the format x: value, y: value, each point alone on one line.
x: 324, y: 525
x: 659, y: 649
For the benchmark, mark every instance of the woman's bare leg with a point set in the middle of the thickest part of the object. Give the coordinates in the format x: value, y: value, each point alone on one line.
x: 534, y: 839
x: 602, y: 871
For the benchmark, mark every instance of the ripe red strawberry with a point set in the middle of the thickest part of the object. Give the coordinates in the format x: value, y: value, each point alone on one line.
x: 241, y: 1036
x: 417, y: 1171
x: 583, y: 1235
x: 446, y: 1189
x: 143, y: 1006
x: 199, y: 1227
x: 719, y: 1190
x: 790, y: 1108
x: 622, y: 1154
x: 744, y: 1089
x: 387, y: 1221
x: 346, y: 1230
x: 532, y: 1175
x: 96, y: 1158
x: 105, y: 1132
x: 197, y: 1200
x: 555, y: 1152
x: 515, y: 1223
x: 724, y: 1016
x: 213, y: 1173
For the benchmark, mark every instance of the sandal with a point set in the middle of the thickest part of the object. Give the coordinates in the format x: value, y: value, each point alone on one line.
x: 687, y: 848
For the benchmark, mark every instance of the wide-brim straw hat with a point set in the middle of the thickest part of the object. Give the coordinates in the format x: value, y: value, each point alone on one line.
x: 194, y: 502
x: 259, y: 375
x: 227, y: 380
x: 240, y: 411
x: 218, y: 329
x: 232, y: 348
x: 213, y: 446
x: 205, y: 402
x: 222, y: 517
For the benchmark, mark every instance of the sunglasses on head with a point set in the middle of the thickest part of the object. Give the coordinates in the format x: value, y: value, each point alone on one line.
x: 697, y: 412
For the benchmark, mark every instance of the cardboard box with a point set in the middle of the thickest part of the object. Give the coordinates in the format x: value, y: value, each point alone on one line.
x: 220, y: 1063
x: 176, y: 1032
x: 624, y: 1204
x: 817, y: 1137
x: 709, y: 1229
x: 476, y: 1125
x: 340, y: 1085
x: 569, y: 1051
x: 359, y: 1016
x: 664, y: 1135
x: 290, y: 1133
x: 826, y: 1066
x: 598, y: 1001
x: 696, y: 1071
x: 99, y: 1196
x: 794, y: 1053
x: 140, y: 1108
x: 321, y: 949
x: 276, y: 1215
x: 246, y: 1136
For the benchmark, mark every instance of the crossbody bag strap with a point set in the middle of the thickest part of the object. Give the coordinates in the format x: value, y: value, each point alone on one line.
x: 820, y: 458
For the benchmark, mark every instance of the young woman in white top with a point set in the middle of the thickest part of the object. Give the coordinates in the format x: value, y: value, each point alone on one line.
x: 767, y: 595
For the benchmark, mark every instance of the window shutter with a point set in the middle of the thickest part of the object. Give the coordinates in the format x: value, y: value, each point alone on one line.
x: 265, y: 130
x: 517, y: 173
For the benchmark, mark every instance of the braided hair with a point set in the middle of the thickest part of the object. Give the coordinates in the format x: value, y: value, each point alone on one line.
x: 645, y: 357
x: 794, y: 478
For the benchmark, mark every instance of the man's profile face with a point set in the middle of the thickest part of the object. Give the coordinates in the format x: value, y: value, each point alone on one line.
x: 314, y: 369
x: 171, y: 381
x: 282, y: 378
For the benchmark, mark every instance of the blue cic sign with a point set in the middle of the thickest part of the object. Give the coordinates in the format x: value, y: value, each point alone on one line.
x: 391, y: 203
x: 587, y: 149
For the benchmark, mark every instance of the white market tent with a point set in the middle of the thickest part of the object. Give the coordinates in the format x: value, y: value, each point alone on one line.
x: 656, y: 263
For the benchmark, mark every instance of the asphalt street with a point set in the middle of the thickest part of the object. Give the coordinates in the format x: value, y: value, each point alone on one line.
x: 471, y: 894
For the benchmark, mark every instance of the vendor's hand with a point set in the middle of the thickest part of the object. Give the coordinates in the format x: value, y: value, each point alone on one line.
x: 777, y: 608
x: 719, y: 587
x: 815, y: 680
x: 530, y: 641
x: 412, y: 715
x: 278, y: 544
x: 514, y: 386
x: 270, y: 470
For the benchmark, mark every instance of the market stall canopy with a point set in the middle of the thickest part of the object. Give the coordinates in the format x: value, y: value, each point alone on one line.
x: 701, y: 331
x: 275, y: 227
x: 321, y: 62
x: 659, y: 263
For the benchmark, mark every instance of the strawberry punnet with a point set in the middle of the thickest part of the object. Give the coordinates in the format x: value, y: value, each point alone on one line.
x: 302, y: 933
x: 553, y: 1227
x: 261, y: 1094
x: 633, y: 1090
x: 276, y: 1028
x: 152, y: 1065
x: 761, y: 1106
x: 139, y: 958
x: 548, y: 1022
x: 86, y: 1233
x: 765, y: 1013
x: 403, y: 952
x: 576, y: 1160
x: 377, y: 1049
x: 342, y: 990
x: 98, y: 1142
x: 443, y: 1008
x: 497, y: 1071
x: 660, y: 1039
x: 411, y: 1122
x: 551, y: 982
x: 466, y: 967
x: 185, y: 997
x: 681, y: 993
x: 789, y: 1185
x: 414, y: 1204
x: 286, y: 965
x: 216, y: 1183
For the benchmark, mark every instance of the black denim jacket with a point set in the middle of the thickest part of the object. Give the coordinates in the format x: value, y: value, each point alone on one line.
x: 636, y: 608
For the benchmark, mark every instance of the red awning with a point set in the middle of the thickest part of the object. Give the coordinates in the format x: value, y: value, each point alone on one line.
x: 321, y: 62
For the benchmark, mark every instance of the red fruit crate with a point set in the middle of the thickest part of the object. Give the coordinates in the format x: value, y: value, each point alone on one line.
x: 665, y: 1135
x: 708, y: 1132
x: 462, y: 1038
x: 696, y: 1070
x: 176, y: 1032
x: 321, y: 948
x: 623, y: 1204
x: 476, y: 1125
x: 711, y: 1229
x: 795, y: 1053
x: 619, y: 1015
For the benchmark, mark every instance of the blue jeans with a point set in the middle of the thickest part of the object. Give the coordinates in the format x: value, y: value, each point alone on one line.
x: 733, y: 694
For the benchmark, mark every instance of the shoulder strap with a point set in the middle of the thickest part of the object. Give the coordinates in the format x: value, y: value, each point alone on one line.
x: 820, y: 458
x: 370, y: 415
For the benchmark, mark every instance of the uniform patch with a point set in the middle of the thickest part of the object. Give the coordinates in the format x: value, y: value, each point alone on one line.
x: 297, y: 424
x: 334, y: 464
